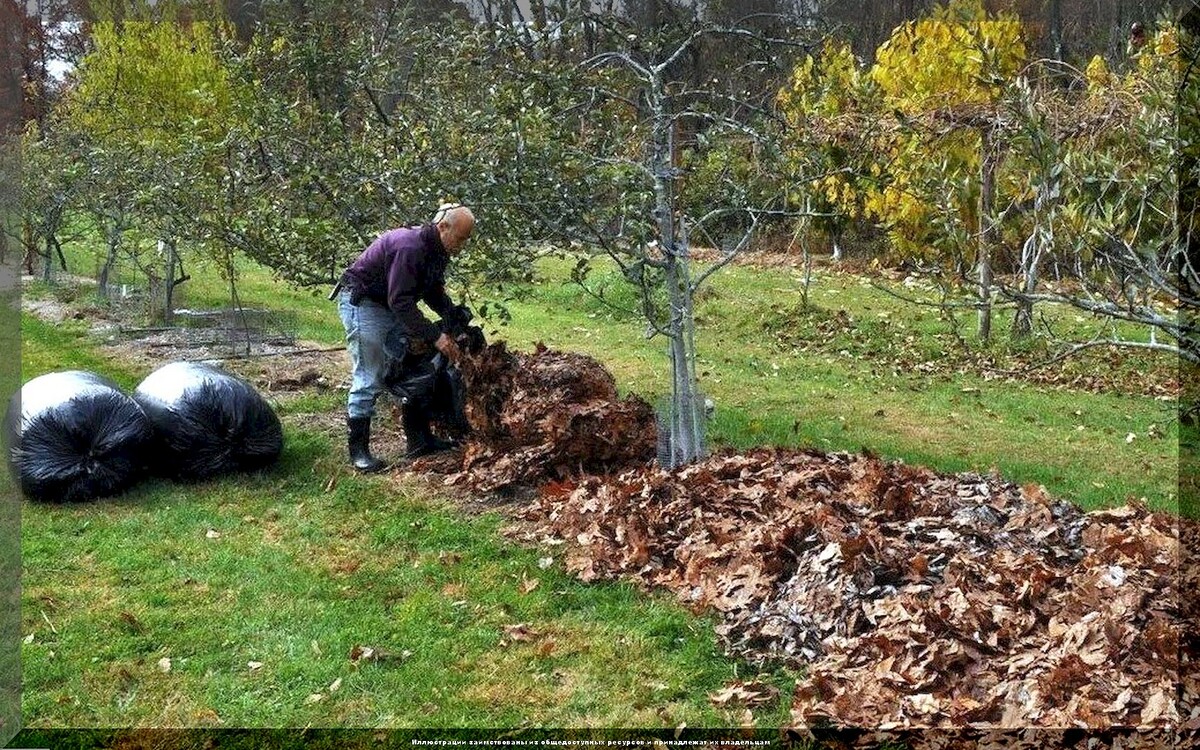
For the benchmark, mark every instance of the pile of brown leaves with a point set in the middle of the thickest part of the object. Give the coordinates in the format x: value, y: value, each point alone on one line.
x: 547, y: 415
x: 913, y: 599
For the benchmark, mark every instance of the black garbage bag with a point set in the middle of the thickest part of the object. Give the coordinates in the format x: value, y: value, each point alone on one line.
x: 207, y: 422
x: 75, y: 436
x: 449, y: 406
x: 427, y: 381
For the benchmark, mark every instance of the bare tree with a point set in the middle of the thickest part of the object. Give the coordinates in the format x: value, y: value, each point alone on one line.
x: 630, y: 201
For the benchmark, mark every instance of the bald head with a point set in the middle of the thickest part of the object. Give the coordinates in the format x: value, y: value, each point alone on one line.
x: 455, y: 223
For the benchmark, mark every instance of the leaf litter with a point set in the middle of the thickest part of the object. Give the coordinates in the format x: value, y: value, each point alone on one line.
x: 910, y: 599
x: 544, y: 416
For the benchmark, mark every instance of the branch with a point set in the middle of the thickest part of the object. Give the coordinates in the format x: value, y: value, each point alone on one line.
x: 680, y: 50
x: 730, y: 255
x: 615, y: 96
x: 1143, y: 315
x: 604, y: 58
x: 738, y: 32
x: 943, y: 305
x: 599, y: 297
x: 1116, y: 343
x: 378, y: 107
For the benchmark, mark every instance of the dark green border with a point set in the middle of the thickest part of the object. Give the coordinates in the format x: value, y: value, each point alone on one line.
x: 1189, y: 402
x: 12, y: 42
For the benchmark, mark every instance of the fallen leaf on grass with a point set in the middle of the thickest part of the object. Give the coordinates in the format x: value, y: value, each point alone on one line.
x: 360, y: 654
x: 528, y: 584
x: 212, y: 534
x: 164, y: 665
x: 314, y: 698
x: 335, y: 685
x: 752, y: 693
x: 132, y: 623
x: 207, y: 716
x: 254, y: 665
x: 519, y: 633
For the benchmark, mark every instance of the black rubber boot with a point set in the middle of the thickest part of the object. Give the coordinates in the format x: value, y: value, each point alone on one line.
x: 420, y: 439
x: 359, y: 444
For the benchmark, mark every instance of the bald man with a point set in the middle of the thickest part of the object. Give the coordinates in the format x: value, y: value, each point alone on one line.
x: 380, y: 290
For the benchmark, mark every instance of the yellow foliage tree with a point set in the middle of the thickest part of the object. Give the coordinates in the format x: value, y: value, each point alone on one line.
x: 923, y: 117
x: 151, y: 84
x: 150, y: 108
x: 828, y: 107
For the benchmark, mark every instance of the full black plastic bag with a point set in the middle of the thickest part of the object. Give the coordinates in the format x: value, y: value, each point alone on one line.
x: 207, y: 422
x: 75, y: 436
x: 428, y: 382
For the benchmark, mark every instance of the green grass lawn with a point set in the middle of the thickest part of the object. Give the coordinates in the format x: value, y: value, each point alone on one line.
x: 238, y: 602
x: 256, y: 590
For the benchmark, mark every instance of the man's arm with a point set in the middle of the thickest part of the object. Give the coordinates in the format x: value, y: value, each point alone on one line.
x: 403, y: 276
x: 440, y: 302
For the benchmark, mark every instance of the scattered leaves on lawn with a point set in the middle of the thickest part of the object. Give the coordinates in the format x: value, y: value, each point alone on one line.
x: 132, y: 623
x: 360, y: 654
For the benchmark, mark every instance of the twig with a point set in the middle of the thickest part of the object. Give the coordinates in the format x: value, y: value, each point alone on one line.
x: 925, y: 303
x: 1115, y: 343
x: 283, y: 353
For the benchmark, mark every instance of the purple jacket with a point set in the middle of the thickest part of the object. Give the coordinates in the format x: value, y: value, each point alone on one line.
x: 401, y: 267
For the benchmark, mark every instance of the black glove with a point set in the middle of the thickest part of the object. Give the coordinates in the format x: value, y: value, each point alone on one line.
x: 459, y: 316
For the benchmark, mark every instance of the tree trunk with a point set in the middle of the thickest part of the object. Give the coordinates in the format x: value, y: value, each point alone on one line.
x: 1058, y: 52
x: 114, y: 242
x: 1030, y: 255
x: 989, y: 162
x: 48, y: 262
x: 685, y: 426
x: 169, y: 280
x: 30, y: 248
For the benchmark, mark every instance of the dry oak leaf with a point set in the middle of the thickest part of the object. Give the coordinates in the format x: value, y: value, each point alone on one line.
x: 750, y: 693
